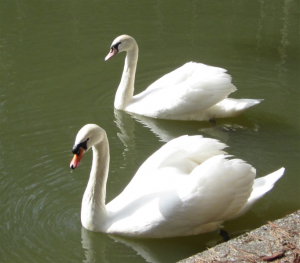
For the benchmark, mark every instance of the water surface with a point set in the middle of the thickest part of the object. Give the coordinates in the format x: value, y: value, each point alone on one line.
x: 54, y: 80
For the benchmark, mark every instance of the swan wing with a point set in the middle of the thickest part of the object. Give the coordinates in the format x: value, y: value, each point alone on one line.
x: 261, y: 186
x: 177, y: 201
x: 167, y: 167
x: 192, y: 87
x: 215, y: 191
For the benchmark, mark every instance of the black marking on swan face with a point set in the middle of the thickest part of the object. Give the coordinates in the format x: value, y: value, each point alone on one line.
x: 76, y: 148
x: 115, y: 46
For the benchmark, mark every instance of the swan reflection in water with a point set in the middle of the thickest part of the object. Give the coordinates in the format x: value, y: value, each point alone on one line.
x: 167, y: 130
x: 99, y: 247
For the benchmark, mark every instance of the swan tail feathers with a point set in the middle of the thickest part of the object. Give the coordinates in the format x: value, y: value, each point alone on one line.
x: 260, y: 187
x: 230, y: 107
x: 265, y: 184
x: 247, y: 103
x: 239, y: 105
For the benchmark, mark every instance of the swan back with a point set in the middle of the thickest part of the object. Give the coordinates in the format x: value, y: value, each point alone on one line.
x: 189, y: 186
x: 192, y: 88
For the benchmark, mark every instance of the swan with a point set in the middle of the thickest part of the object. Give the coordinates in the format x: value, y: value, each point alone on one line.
x: 187, y: 187
x: 194, y: 91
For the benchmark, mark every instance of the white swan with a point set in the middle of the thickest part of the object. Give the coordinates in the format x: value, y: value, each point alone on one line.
x: 187, y: 187
x: 192, y: 92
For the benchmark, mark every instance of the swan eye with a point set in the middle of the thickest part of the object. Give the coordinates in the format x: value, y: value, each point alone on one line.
x: 115, y: 46
x: 76, y: 148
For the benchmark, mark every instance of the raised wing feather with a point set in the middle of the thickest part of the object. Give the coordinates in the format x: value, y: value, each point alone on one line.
x: 193, y: 184
x: 167, y: 167
x: 215, y: 190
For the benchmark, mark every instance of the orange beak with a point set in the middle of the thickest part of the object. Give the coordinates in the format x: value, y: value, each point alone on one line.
x: 76, y: 159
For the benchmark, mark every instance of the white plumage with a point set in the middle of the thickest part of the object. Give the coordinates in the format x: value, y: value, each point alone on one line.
x: 189, y: 186
x: 194, y: 91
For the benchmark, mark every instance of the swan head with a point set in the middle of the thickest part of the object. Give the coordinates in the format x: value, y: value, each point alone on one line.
x: 88, y: 136
x: 121, y: 43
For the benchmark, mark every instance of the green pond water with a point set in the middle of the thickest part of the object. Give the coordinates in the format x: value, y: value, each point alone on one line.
x: 53, y: 80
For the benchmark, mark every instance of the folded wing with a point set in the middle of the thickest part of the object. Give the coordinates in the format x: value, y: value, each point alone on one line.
x: 192, y: 87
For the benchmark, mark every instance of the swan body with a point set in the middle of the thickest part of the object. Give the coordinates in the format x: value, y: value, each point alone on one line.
x: 194, y: 91
x: 187, y: 187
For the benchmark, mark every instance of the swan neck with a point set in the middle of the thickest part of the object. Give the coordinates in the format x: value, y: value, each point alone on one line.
x: 93, y: 211
x: 126, y: 87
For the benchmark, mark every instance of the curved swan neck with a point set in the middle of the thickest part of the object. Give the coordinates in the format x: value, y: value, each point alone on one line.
x: 126, y: 87
x: 93, y: 211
